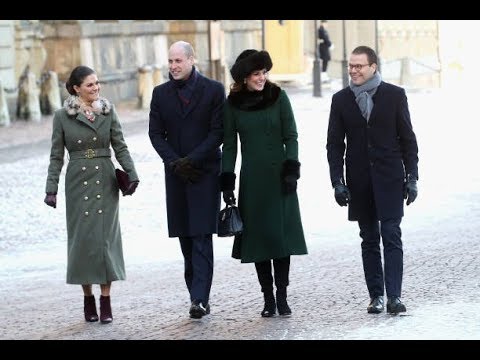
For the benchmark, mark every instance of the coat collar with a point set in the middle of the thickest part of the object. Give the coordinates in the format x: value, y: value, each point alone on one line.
x: 72, y: 106
x: 196, y: 96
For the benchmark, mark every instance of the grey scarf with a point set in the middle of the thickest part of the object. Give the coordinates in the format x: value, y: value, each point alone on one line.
x: 363, y: 94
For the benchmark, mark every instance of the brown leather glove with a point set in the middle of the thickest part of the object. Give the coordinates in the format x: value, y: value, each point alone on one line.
x: 185, y: 170
x: 51, y: 200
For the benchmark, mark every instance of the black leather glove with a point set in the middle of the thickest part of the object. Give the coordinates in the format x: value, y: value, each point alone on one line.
x: 410, y: 190
x: 132, y: 186
x: 185, y: 170
x: 51, y: 200
x: 289, y: 184
x: 342, y: 195
x: 290, y: 173
x: 229, y: 197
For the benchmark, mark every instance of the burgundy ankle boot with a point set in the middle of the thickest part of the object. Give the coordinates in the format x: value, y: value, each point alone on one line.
x: 105, y: 310
x: 90, y: 309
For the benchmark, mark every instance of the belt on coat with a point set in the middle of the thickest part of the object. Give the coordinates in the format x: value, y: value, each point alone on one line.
x: 89, y: 154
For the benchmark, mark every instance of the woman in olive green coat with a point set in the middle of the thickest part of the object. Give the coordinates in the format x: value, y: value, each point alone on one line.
x: 260, y: 113
x: 87, y: 126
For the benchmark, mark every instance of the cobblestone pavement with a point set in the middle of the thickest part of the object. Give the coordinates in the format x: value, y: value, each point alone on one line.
x: 327, y: 291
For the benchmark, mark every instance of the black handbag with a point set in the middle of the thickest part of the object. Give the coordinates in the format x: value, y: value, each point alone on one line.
x: 229, y: 221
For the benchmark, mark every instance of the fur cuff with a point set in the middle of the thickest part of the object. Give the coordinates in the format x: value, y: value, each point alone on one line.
x: 291, y: 167
x: 227, y: 181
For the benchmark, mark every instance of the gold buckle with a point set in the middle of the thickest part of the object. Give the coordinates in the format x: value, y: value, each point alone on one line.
x: 90, y: 153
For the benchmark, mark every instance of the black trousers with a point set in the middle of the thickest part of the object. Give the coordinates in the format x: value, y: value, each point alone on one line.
x: 198, y: 259
x: 281, y: 268
x: 390, y: 276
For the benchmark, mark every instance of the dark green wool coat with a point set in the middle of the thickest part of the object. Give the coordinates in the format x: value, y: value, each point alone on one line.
x: 95, y: 253
x: 268, y: 136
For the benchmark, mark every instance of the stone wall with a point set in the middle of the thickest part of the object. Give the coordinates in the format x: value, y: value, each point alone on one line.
x: 7, y: 73
x: 115, y: 49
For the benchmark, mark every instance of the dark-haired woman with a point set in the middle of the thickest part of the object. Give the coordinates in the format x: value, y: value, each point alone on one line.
x: 87, y: 126
x: 259, y: 112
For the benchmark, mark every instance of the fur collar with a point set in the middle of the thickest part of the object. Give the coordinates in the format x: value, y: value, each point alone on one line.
x: 255, y: 100
x: 72, y: 105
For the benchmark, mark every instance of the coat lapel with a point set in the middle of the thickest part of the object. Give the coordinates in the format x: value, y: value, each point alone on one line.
x: 99, y: 121
x: 80, y: 117
x: 175, y: 100
x: 196, y: 96
x: 354, y: 106
x: 377, y: 102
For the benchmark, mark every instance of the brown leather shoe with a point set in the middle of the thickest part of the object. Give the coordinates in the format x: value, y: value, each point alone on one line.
x: 105, y: 310
x: 89, y: 308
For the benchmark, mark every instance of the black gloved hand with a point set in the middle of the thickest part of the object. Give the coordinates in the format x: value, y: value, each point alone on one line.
x: 51, y: 200
x: 410, y: 190
x: 342, y: 195
x: 132, y: 186
x: 229, y: 197
x: 289, y: 184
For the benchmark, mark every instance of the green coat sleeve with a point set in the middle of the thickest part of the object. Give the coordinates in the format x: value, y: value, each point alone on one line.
x: 120, y: 148
x: 229, y: 149
x: 57, y: 152
x: 289, y: 127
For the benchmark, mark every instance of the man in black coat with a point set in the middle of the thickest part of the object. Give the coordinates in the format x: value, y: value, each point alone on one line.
x: 186, y: 130
x: 381, y: 171
x: 324, y: 48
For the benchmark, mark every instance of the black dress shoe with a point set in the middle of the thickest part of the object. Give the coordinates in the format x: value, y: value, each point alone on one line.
x: 395, y: 305
x: 376, y: 305
x: 198, y: 310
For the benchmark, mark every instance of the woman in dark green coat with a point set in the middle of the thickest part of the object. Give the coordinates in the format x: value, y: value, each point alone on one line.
x: 87, y: 126
x: 260, y: 113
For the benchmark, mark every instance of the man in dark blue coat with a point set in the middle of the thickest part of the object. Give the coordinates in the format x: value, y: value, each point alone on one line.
x: 381, y: 171
x: 186, y: 130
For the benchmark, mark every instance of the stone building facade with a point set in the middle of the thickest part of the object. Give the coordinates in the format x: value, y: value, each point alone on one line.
x: 117, y: 49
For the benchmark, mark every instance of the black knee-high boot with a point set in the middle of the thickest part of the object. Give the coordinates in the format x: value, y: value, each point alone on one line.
x: 264, y: 273
x: 282, y: 268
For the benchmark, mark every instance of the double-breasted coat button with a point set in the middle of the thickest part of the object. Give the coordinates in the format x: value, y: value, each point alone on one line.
x: 86, y: 198
x: 85, y: 183
x: 86, y: 213
x: 84, y: 168
x: 97, y: 167
x: 98, y: 196
x: 79, y: 141
x: 100, y: 211
x: 98, y: 182
x: 95, y: 139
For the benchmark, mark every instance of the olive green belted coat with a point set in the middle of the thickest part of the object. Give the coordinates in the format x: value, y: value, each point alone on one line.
x: 95, y: 253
